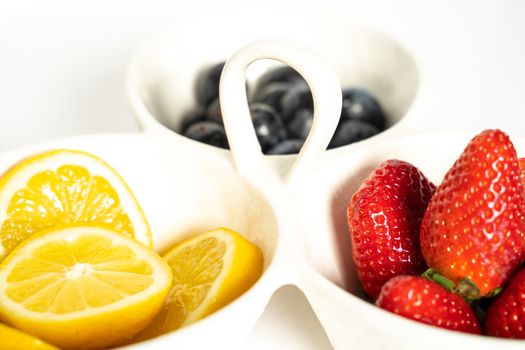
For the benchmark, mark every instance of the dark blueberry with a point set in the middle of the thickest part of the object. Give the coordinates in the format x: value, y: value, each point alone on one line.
x: 350, y: 131
x: 301, y: 123
x: 361, y: 105
x: 281, y: 74
x: 268, y: 125
x: 207, y: 85
x: 190, y: 118
x: 213, y: 112
x: 296, y: 98
x: 271, y: 94
x: 291, y: 146
x: 208, y: 132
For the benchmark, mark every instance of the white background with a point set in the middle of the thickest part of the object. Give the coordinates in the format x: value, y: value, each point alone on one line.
x: 62, y: 66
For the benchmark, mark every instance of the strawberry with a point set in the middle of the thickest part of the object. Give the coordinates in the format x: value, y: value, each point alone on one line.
x: 506, y: 316
x: 425, y: 301
x: 384, y: 217
x: 473, y: 231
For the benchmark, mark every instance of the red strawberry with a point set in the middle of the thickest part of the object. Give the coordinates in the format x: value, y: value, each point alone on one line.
x: 425, y: 301
x: 506, y: 316
x: 473, y: 232
x: 384, y: 217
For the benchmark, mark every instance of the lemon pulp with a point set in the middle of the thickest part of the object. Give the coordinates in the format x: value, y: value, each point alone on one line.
x: 82, y: 287
x: 209, y: 271
x: 63, y: 187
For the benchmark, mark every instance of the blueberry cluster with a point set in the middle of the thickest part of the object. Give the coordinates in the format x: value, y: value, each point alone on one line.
x: 281, y: 108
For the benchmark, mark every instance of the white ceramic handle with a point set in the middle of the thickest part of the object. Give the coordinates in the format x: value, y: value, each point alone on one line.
x: 326, y: 92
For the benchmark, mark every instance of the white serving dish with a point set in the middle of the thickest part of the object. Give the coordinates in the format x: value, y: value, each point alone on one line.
x: 300, y: 222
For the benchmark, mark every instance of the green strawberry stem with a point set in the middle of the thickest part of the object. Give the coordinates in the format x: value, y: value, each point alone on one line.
x: 433, y: 275
x: 466, y: 288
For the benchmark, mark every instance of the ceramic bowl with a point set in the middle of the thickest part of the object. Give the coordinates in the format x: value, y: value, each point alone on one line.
x: 172, y: 183
x: 330, y: 281
x: 161, y: 77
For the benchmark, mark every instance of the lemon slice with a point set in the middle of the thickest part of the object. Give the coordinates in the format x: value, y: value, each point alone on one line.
x: 64, y: 187
x: 209, y: 271
x: 12, y: 339
x: 82, y: 287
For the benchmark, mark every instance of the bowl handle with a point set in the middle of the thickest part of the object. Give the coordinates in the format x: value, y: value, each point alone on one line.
x: 327, y: 100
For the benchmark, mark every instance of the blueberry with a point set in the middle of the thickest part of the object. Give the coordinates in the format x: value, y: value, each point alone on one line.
x: 301, y: 123
x: 271, y: 94
x: 213, y: 112
x: 268, y: 125
x: 350, y: 131
x: 291, y: 146
x: 360, y: 105
x: 208, y: 132
x: 190, y: 118
x: 207, y: 85
x: 296, y: 98
x: 281, y: 74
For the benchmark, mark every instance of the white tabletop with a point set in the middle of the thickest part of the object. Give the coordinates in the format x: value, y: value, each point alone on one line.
x: 62, y: 67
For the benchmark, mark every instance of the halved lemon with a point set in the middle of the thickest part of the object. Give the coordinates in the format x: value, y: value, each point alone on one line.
x: 13, y: 339
x: 82, y: 287
x: 209, y: 271
x: 64, y: 187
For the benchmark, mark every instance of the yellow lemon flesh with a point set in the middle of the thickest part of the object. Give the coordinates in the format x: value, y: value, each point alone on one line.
x: 65, y: 187
x: 82, y: 287
x: 209, y: 271
x: 12, y: 339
